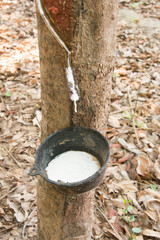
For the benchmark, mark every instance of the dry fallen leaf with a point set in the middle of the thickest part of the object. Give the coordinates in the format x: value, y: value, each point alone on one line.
x: 17, y: 213
x: 157, y: 168
x: 151, y: 233
x: 129, y: 146
x: 113, y: 121
x: 121, y: 71
x: 148, y: 193
x: 111, y: 170
x: 127, y: 186
x: 151, y: 201
x: 152, y: 214
x: 112, y: 212
x: 119, y: 203
x: 145, y: 166
x: 139, y: 237
x: 37, y: 119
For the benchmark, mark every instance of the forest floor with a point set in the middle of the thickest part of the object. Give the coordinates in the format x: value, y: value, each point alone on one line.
x: 128, y: 200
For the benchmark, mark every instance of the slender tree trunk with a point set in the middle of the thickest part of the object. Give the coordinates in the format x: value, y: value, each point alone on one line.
x: 89, y: 30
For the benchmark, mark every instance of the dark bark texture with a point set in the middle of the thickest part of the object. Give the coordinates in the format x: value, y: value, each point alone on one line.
x: 93, y: 47
x: 62, y: 217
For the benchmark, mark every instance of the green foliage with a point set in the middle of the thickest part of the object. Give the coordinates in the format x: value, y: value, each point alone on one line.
x: 128, y: 218
x: 136, y: 230
x: 153, y: 187
x: 127, y: 114
x: 132, y: 219
x: 134, y: 20
x: 141, y: 124
x: 115, y: 75
x: 8, y: 94
x: 136, y: 5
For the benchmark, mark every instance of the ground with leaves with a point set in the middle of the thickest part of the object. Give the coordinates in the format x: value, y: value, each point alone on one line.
x: 128, y: 200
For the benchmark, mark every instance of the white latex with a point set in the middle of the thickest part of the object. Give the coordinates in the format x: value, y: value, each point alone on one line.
x: 72, y: 87
x: 72, y: 166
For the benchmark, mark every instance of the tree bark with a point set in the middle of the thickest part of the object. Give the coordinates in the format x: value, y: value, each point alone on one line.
x: 93, y: 46
x: 89, y: 31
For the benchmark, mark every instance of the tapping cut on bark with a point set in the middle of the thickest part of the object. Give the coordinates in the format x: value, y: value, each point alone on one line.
x: 72, y: 87
x: 60, y: 15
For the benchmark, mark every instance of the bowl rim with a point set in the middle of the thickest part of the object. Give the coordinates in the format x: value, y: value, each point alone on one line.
x: 92, y: 178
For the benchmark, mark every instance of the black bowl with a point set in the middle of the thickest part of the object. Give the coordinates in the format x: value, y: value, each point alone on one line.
x: 77, y: 139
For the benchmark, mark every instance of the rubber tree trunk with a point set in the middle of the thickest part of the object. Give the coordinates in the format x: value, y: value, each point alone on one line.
x: 88, y: 28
